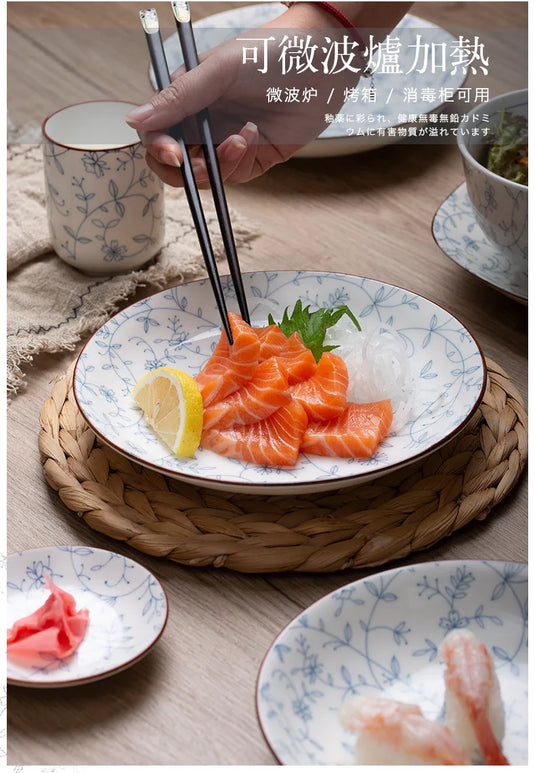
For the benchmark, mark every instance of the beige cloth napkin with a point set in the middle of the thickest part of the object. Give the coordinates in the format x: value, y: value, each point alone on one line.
x: 51, y: 306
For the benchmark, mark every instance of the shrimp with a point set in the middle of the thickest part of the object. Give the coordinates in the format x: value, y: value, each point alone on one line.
x: 395, y: 733
x: 474, y: 708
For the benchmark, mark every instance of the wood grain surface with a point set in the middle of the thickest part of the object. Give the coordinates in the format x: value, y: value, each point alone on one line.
x: 191, y: 701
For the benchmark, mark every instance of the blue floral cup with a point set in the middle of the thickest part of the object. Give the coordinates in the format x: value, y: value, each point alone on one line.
x: 500, y: 205
x: 105, y: 207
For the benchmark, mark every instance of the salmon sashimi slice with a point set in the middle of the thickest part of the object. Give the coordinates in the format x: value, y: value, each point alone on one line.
x: 230, y: 366
x: 297, y: 358
x: 273, y: 441
x: 323, y: 395
x: 255, y: 400
x: 357, y: 432
x: 272, y: 341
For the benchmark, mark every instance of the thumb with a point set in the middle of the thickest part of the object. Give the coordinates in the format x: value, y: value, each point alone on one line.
x: 187, y: 94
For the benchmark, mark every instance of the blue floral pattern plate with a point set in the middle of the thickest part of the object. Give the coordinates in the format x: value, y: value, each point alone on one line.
x: 390, y: 104
x: 380, y: 636
x: 179, y: 327
x: 457, y: 234
x: 127, y: 610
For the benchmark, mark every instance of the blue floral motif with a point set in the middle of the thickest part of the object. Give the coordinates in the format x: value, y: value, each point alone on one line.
x: 180, y: 328
x: 127, y: 608
x: 114, y: 250
x: 126, y: 186
x: 381, y: 635
x: 95, y: 163
x: 490, y: 197
x: 460, y: 237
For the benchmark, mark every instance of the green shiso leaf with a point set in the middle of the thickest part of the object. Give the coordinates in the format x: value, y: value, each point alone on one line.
x: 312, y: 325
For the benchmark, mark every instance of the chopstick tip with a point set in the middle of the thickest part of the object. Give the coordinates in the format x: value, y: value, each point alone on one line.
x: 149, y: 20
x: 181, y: 11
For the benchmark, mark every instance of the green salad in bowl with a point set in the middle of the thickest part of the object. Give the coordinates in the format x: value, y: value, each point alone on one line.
x: 496, y: 173
x: 508, y: 153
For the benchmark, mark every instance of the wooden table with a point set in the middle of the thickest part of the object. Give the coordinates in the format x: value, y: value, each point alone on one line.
x: 192, y: 699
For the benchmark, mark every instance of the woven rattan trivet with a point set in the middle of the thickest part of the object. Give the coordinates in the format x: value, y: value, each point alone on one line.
x: 360, y: 526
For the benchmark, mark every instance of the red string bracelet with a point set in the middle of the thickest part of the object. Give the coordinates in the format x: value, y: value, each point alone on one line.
x: 342, y: 18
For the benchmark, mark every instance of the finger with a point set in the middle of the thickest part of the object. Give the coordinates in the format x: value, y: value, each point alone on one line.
x: 170, y: 175
x: 163, y: 148
x: 229, y: 155
x: 243, y: 171
x: 186, y: 95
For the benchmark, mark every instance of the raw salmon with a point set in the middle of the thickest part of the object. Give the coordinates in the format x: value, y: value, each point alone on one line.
x: 272, y: 340
x: 274, y: 441
x: 355, y: 433
x: 230, y: 366
x: 255, y: 400
x: 323, y: 395
x: 297, y: 358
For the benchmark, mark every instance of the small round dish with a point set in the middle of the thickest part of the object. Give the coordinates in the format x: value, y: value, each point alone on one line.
x: 458, y: 235
x: 380, y: 636
x: 384, y: 108
x: 179, y: 327
x: 127, y: 610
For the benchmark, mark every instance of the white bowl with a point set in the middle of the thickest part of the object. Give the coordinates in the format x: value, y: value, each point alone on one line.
x: 500, y: 205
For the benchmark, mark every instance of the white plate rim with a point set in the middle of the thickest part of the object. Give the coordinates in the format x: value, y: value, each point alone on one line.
x: 445, y: 563
x: 19, y: 682
x: 523, y: 299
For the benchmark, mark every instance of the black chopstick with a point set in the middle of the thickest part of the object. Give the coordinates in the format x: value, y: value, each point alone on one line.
x: 191, y: 60
x: 149, y: 20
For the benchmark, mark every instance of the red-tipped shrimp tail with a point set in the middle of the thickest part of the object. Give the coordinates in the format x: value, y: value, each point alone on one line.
x: 474, y: 708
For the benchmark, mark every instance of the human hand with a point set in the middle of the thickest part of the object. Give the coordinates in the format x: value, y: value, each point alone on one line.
x: 252, y: 133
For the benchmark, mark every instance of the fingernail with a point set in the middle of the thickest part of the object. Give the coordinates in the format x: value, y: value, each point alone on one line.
x: 252, y: 127
x: 236, y: 148
x: 139, y: 114
x: 169, y: 158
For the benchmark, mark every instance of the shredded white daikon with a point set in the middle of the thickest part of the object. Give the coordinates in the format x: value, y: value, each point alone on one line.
x: 377, y: 365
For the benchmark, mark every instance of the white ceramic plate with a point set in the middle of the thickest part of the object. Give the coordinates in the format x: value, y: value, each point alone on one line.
x: 180, y: 326
x: 458, y: 235
x: 390, y: 88
x: 127, y: 610
x: 379, y: 636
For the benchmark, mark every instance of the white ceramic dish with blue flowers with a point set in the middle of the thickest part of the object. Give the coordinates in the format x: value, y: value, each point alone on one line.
x: 127, y: 610
x: 380, y: 636
x: 459, y: 236
x: 179, y: 328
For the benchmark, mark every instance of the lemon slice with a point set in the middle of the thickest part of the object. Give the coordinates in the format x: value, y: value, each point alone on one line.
x: 172, y: 407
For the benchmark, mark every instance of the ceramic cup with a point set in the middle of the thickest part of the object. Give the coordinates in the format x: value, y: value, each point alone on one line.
x: 500, y: 205
x: 105, y: 207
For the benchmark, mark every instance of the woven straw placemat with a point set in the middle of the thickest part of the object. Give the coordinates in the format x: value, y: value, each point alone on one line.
x: 365, y: 525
